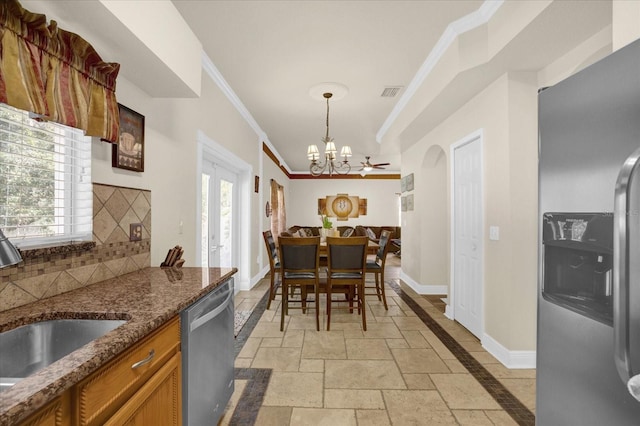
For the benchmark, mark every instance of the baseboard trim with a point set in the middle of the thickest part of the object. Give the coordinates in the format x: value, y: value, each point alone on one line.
x: 448, y: 312
x: 510, y: 359
x: 256, y: 278
x: 423, y: 289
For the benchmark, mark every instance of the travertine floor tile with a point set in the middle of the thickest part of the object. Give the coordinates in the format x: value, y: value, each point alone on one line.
x: 323, y: 417
x: 324, y: 345
x: 294, y: 389
x: 409, y: 323
x: 415, y: 339
x: 396, y: 373
x: 437, y: 345
x: 500, y: 418
x: 462, y: 391
x: 349, y: 398
x: 372, y: 417
x: 362, y: 374
x: 293, y: 338
x: 278, y: 359
x: 418, y: 381
x: 271, y: 342
x: 243, y: 362
x: 397, y: 343
x: 417, y: 407
x: 312, y: 365
x: 499, y: 371
x: 383, y: 331
x: 367, y: 349
x: 524, y: 390
x: 419, y: 361
x: 472, y: 418
x: 250, y: 347
x: 485, y: 358
x: 274, y: 416
x: 455, y: 366
x: 380, y: 311
x: 267, y: 329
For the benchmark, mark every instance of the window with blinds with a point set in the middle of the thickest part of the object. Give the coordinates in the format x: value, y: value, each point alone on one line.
x: 45, y: 181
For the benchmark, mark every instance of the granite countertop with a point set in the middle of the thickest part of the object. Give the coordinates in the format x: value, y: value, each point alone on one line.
x: 146, y: 299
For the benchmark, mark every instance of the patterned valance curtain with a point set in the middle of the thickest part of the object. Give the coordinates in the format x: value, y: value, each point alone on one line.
x: 55, y: 73
x: 278, y: 212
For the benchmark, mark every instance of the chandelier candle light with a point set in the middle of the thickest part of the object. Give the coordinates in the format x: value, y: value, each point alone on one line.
x: 330, y: 164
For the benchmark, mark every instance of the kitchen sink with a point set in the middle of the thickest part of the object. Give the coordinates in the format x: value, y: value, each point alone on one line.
x: 32, y: 347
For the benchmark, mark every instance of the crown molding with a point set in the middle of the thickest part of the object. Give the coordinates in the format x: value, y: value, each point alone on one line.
x: 215, y: 75
x: 450, y: 34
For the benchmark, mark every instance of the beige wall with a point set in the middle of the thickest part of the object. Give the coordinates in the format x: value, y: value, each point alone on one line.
x: 381, y: 195
x: 506, y: 111
x: 171, y: 127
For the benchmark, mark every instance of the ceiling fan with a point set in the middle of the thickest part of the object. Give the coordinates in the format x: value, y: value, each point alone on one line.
x: 367, y: 166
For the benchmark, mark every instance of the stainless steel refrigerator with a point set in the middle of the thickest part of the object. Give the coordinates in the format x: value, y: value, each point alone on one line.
x: 588, y: 351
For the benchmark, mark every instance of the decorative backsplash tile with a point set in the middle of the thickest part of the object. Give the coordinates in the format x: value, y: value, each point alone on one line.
x: 46, y: 272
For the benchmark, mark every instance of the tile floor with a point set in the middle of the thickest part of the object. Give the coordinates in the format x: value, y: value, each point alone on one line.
x: 412, y: 367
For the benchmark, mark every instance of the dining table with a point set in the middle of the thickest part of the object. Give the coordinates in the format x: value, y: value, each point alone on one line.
x: 372, y: 247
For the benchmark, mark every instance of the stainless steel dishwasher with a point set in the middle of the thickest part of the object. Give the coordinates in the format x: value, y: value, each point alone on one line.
x: 207, y: 356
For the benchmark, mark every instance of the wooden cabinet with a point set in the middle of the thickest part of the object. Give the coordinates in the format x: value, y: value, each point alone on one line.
x: 144, y: 380
x: 157, y: 402
x: 55, y: 413
x: 141, y: 386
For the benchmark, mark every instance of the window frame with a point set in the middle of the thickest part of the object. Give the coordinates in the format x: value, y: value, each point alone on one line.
x: 73, y: 192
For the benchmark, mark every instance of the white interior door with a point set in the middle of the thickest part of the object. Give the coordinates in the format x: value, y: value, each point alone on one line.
x: 467, y: 236
x: 219, y: 216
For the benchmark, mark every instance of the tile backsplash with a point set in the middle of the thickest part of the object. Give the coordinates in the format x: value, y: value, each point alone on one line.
x: 50, y: 271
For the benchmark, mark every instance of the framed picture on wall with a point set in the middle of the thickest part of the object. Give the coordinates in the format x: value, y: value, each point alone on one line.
x: 128, y: 153
x: 409, y: 182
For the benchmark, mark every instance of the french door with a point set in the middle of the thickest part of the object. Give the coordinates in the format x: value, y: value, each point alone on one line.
x: 219, y: 216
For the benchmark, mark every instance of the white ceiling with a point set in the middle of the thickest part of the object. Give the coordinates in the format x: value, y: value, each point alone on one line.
x: 272, y: 52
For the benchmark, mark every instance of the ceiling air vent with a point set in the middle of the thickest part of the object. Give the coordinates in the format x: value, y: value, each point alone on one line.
x: 390, y: 92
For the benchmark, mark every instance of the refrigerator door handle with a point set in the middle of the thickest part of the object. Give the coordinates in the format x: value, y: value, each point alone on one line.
x: 621, y: 269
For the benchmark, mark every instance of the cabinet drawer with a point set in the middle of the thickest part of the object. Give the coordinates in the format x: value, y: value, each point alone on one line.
x: 158, y: 402
x: 102, y: 393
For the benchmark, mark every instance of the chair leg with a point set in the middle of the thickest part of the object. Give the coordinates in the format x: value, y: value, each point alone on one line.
x: 328, y: 306
x: 377, y: 286
x: 381, y: 289
x: 303, y: 298
x: 283, y: 305
x: 272, y: 290
x: 317, y: 303
x: 361, y: 305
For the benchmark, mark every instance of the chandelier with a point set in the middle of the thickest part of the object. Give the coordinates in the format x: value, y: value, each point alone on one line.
x: 330, y: 164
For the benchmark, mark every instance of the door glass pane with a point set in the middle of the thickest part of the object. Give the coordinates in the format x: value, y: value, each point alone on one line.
x: 226, y: 223
x: 204, y: 254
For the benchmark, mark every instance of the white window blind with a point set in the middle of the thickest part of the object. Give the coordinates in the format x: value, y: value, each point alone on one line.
x: 45, y: 181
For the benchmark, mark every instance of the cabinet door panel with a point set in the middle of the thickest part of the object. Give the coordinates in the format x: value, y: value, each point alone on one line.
x: 157, y: 402
x: 100, y: 395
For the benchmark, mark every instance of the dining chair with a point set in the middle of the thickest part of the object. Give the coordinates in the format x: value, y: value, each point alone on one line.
x: 377, y: 265
x: 274, y: 265
x: 300, y: 262
x: 346, y: 263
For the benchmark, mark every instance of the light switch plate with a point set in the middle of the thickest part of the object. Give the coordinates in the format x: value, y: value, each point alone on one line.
x: 494, y: 233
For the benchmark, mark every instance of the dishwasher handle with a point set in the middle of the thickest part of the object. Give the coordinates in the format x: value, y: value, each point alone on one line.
x: 209, y: 315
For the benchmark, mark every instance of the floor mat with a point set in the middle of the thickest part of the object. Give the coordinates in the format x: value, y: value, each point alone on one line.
x: 239, y: 320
